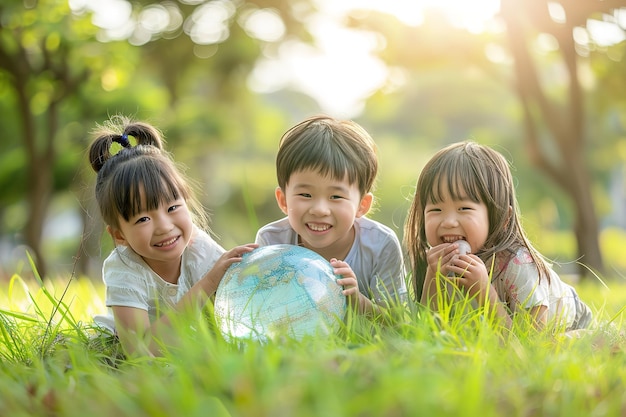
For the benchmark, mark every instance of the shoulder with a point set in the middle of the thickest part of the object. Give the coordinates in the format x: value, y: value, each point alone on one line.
x: 202, y: 244
x: 371, y: 230
x: 202, y: 253
x: 122, y: 263
x: 123, y: 258
x: 520, y: 258
x: 276, y: 232
x: 518, y: 268
x: 377, y: 240
x: 277, y: 225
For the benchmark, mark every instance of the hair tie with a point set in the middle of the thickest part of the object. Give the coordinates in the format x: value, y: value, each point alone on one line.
x: 122, y: 140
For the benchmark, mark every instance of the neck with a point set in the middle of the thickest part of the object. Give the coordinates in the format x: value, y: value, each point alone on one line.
x: 168, y: 271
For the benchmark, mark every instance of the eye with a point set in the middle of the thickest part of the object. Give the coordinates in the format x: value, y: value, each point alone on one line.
x: 305, y: 195
x: 173, y: 208
x: 142, y: 220
x: 336, y: 197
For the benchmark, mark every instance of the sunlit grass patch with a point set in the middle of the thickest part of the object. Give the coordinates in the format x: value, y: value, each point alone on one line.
x: 52, y: 362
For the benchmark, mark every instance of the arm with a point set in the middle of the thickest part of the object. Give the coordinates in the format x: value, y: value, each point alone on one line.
x: 139, y: 337
x: 360, y: 303
x: 473, y: 276
x: 388, y: 275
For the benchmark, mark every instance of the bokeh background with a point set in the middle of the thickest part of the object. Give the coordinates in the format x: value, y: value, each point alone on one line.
x: 543, y: 82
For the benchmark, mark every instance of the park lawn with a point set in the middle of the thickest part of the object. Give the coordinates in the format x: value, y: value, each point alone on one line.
x: 421, y: 364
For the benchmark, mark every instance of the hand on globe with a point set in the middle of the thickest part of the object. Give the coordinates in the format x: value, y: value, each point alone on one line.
x: 348, y: 279
x: 279, y: 291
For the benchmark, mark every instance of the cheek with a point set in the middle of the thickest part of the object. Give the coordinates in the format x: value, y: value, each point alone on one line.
x: 430, y: 234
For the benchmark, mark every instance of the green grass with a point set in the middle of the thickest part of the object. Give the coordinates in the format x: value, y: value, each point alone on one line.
x: 52, y: 364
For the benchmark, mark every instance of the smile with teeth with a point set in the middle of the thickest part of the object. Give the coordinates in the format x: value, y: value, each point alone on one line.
x: 451, y: 239
x: 318, y: 227
x: 167, y: 242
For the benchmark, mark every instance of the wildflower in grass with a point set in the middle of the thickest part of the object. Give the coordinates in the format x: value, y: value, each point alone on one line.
x: 466, y: 193
x: 163, y: 260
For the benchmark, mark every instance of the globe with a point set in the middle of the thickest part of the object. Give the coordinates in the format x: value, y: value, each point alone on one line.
x: 279, y: 291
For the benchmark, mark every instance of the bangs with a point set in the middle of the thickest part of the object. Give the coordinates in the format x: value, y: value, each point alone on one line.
x: 327, y: 157
x: 457, y: 175
x: 334, y: 165
x: 147, y: 185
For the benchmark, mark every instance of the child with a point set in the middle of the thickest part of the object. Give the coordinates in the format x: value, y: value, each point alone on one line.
x: 465, y: 192
x: 326, y: 170
x: 162, y: 260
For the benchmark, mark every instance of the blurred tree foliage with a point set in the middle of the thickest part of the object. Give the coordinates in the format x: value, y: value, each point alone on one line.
x: 60, y: 74
x: 64, y: 69
x: 554, y: 114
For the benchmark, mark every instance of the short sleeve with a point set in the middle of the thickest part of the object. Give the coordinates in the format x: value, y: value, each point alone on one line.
x: 376, y: 259
x: 519, y: 284
x: 201, y: 255
x: 389, y: 273
x: 125, y: 285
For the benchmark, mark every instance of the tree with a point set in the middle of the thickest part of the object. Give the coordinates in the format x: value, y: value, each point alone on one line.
x: 58, y: 67
x: 561, y: 124
x: 36, y: 57
x: 555, y: 128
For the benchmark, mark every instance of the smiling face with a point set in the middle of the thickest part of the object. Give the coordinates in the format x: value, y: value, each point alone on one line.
x: 158, y: 235
x: 322, y: 211
x: 450, y: 219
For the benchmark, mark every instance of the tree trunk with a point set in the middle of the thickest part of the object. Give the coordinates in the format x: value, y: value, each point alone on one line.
x: 39, y: 177
x: 564, y: 124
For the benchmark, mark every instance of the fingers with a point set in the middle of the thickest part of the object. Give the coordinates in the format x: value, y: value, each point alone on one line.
x: 348, y: 279
x: 239, y: 251
x: 350, y: 286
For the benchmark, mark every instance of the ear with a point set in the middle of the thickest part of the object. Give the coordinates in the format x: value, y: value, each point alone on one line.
x: 365, y: 205
x: 281, y: 199
x: 117, y: 235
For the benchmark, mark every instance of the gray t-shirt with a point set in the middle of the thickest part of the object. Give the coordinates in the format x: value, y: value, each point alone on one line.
x: 375, y: 256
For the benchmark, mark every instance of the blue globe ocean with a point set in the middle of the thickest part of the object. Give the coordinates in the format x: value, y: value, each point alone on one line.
x: 279, y: 291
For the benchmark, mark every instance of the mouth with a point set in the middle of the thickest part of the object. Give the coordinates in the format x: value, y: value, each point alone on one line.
x: 167, y: 242
x: 451, y: 239
x: 318, y: 227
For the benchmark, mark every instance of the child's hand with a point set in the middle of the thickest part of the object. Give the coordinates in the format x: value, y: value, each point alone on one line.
x: 348, y: 281
x: 227, y: 259
x: 439, y: 258
x: 471, y: 274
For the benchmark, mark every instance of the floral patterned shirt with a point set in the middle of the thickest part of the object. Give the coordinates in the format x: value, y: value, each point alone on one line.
x: 516, y: 280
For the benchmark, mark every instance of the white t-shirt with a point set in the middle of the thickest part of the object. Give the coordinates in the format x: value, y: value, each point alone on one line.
x: 375, y: 256
x: 518, y: 285
x: 130, y: 282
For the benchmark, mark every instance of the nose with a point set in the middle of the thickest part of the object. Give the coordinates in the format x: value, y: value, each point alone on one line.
x: 163, y: 224
x: 319, y: 207
x: 450, y: 220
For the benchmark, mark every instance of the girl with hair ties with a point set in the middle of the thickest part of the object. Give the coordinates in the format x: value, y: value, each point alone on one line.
x: 163, y: 261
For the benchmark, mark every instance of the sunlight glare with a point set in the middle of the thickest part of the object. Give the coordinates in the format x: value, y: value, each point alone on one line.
x: 605, y: 33
x: 263, y: 24
x: 557, y: 12
x: 339, y: 72
x: 470, y: 15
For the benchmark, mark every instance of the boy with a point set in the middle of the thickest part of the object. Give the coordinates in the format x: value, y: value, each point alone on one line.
x: 326, y: 170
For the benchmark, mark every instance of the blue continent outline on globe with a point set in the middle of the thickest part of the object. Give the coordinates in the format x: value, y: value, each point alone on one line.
x: 279, y: 290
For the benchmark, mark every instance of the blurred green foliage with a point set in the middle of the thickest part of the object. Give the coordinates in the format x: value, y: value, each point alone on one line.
x: 227, y: 136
